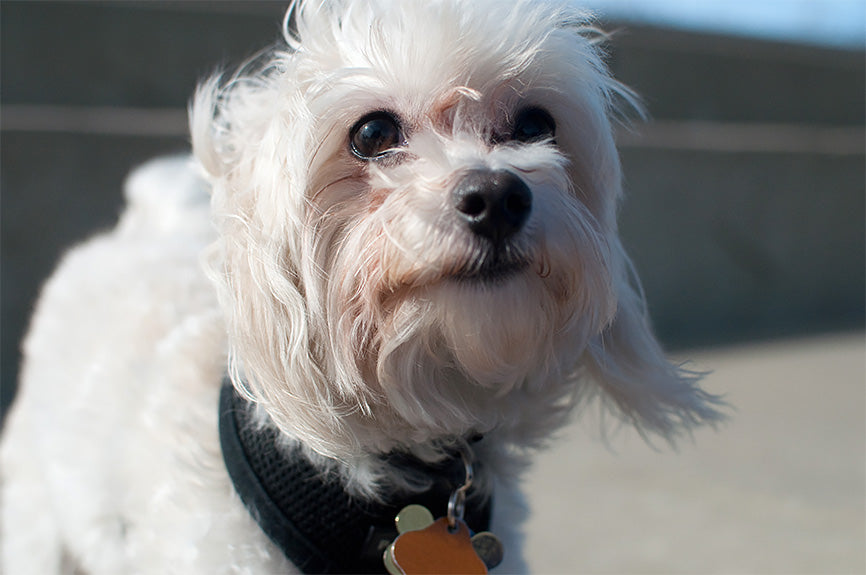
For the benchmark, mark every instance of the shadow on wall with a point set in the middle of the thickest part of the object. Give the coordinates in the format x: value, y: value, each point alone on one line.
x: 745, y: 193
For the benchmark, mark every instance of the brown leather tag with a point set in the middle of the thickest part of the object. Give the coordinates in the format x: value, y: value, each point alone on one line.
x: 436, y: 550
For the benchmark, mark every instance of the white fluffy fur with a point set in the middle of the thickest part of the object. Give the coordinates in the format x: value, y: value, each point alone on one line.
x: 336, y: 308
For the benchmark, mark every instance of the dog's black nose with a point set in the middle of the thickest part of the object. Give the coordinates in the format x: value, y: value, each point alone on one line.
x: 494, y: 203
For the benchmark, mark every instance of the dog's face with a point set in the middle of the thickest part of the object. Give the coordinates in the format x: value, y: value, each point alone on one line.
x: 417, y: 206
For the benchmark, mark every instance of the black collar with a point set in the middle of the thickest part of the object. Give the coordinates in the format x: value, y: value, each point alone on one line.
x: 308, y: 514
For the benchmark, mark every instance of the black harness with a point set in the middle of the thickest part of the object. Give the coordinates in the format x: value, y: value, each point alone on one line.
x: 308, y: 514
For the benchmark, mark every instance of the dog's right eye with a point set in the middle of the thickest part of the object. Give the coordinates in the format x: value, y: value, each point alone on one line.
x: 375, y: 135
x: 533, y: 125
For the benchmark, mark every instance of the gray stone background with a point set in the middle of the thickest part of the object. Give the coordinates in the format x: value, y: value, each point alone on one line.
x: 745, y: 208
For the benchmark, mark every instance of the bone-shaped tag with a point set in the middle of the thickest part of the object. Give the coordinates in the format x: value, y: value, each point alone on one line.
x: 425, y: 546
x: 437, y: 550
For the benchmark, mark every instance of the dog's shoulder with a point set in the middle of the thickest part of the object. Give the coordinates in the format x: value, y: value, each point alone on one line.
x: 125, y: 277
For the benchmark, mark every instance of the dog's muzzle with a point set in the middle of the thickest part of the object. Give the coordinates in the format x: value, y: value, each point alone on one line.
x: 494, y: 205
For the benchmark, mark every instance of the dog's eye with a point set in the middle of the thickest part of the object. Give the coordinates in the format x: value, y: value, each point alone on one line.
x: 533, y: 125
x: 375, y: 135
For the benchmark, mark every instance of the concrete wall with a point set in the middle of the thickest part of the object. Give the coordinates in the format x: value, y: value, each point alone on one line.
x: 745, y: 213
x: 745, y: 210
x: 733, y: 245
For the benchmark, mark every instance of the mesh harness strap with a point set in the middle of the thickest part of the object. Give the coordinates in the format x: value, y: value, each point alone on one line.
x: 307, y: 513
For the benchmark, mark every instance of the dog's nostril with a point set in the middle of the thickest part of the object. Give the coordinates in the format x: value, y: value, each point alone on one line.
x: 472, y: 205
x: 495, y: 204
x: 518, y: 203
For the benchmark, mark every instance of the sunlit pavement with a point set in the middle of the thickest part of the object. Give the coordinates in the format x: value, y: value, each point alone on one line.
x: 777, y: 489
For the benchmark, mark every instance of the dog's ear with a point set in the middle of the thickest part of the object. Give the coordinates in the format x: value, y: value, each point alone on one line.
x: 202, y: 110
x: 632, y: 373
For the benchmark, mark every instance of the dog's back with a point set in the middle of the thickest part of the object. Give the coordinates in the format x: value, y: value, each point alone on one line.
x: 121, y: 371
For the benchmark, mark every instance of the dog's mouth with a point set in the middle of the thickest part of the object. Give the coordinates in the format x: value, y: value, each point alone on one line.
x: 493, y: 265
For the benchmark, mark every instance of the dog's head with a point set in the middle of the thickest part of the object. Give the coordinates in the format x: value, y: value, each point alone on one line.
x: 416, y: 201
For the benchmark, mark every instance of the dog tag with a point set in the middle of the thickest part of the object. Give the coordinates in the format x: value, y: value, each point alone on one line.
x: 436, y: 550
x: 489, y: 548
x: 412, y: 518
x: 390, y: 566
x: 428, y: 546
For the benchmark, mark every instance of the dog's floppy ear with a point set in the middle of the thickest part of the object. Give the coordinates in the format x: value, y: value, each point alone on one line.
x: 630, y: 369
x: 257, y: 204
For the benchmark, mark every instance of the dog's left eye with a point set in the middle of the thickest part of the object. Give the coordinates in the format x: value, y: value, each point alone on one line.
x: 375, y: 135
x: 533, y: 125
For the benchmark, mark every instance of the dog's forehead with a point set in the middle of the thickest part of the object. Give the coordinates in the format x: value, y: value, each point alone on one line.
x: 444, y: 94
x: 424, y: 59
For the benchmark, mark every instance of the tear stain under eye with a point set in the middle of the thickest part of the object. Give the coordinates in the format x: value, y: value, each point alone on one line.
x: 375, y: 198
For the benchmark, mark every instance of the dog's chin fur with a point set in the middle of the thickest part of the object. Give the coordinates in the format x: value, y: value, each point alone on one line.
x: 362, y: 314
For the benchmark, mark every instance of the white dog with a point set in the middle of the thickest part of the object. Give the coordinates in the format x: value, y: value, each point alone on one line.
x: 414, y: 274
